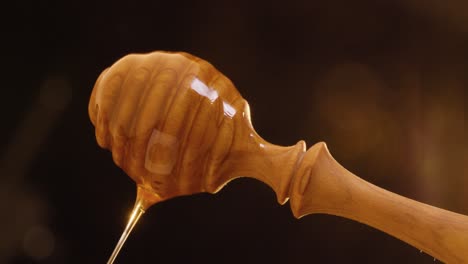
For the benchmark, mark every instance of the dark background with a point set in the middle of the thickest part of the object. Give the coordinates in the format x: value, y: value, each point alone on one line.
x: 384, y: 84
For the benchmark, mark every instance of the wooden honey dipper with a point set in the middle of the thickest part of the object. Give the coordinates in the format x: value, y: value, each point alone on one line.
x: 177, y: 126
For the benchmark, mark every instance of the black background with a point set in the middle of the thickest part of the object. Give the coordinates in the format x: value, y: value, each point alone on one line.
x: 382, y: 82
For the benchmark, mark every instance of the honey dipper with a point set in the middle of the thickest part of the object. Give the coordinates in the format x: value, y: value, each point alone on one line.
x: 177, y: 126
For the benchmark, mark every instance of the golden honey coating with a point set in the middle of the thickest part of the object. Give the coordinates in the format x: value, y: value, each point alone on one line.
x: 161, y: 114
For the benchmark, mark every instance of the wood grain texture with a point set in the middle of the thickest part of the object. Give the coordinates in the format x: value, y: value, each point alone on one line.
x: 177, y: 126
x: 322, y: 185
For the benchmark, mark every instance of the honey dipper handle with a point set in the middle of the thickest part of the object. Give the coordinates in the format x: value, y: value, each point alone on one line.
x: 322, y: 185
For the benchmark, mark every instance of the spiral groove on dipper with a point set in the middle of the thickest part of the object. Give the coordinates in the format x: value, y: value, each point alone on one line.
x: 164, y: 116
